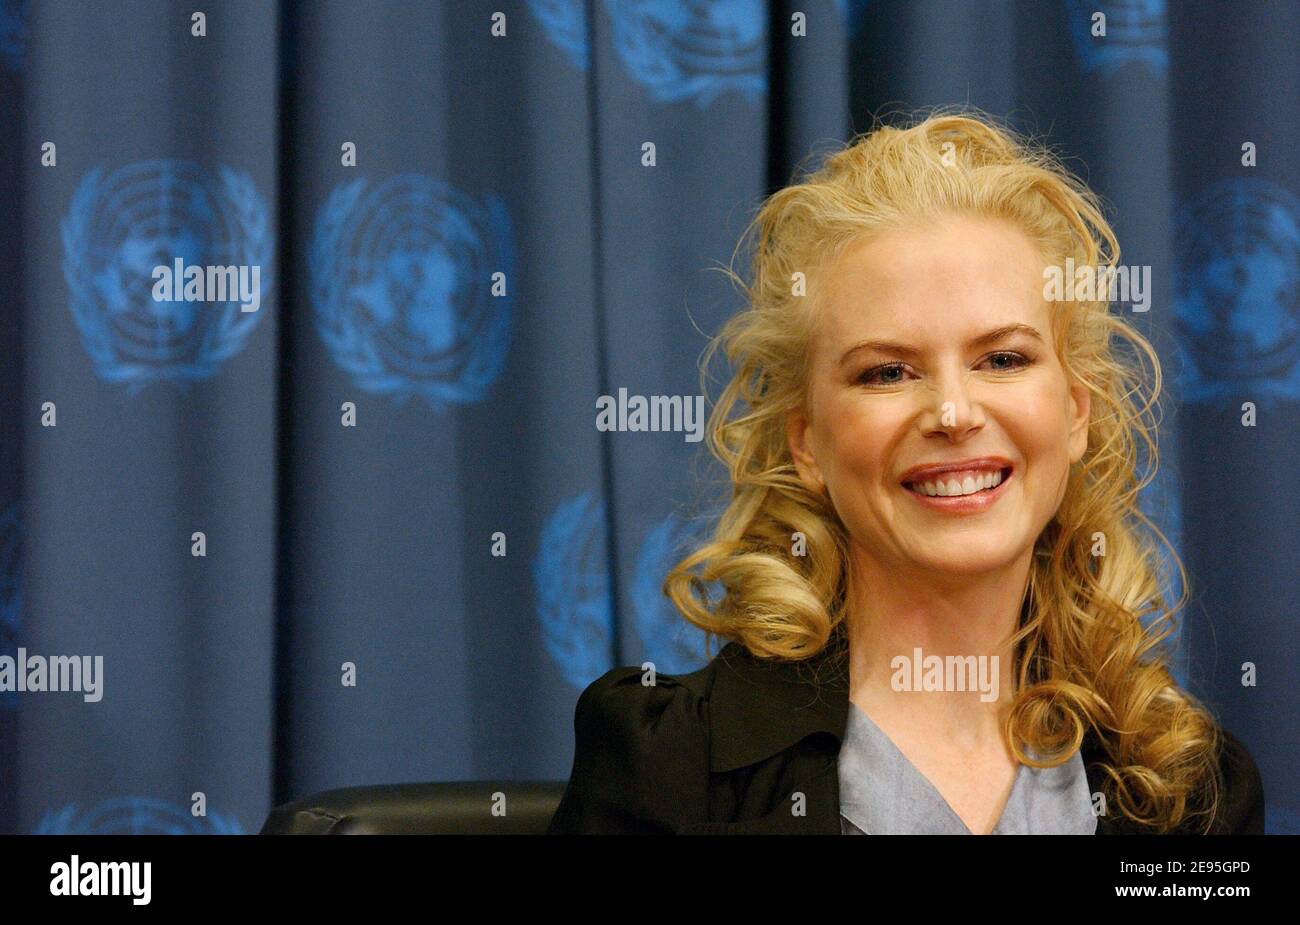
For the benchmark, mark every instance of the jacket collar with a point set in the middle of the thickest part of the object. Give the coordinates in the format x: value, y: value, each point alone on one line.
x: 759, y: 707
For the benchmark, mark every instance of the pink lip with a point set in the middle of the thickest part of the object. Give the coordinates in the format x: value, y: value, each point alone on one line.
x: 963, y: 504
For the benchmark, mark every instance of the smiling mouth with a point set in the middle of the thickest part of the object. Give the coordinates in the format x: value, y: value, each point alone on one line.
x: 951, y: 486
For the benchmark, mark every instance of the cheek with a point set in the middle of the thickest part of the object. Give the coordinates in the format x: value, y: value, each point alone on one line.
x: 856, y: 436
x: 1040, y: 427
x: 1042, y: 415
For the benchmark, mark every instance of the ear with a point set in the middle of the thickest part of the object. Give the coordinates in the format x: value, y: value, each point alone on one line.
x: 1081, y: 405
x: 797, y: 428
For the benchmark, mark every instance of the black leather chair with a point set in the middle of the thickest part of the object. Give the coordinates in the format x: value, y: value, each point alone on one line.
x: 460, y: 808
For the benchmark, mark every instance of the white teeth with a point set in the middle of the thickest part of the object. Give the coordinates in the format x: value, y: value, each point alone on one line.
x: 970, y: 483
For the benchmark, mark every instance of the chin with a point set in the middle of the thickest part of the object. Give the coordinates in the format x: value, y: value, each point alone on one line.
x: 965, y: 560
x: 966, y: 569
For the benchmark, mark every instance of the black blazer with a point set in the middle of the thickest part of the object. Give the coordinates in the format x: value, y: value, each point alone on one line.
x: 724, y: 749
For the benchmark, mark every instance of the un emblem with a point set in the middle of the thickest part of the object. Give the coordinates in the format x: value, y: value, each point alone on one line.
x: 575, y: 601
x: 134, y: 816
x: 402, y: 278
x: 1238, y: 264
x: 122, y: 226
x: 13, y: 33
x: 571, y: 574
x: 676, y: 49
x: 1136, y: 31
x: 673, y: 644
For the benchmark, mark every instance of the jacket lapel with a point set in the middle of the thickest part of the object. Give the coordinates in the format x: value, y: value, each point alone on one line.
x: 759, y: 708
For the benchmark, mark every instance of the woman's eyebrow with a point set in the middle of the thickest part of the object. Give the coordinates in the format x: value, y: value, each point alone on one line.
x: 903, y: 350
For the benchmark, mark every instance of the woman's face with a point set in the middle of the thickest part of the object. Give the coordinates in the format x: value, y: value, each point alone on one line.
x: 933, y: 347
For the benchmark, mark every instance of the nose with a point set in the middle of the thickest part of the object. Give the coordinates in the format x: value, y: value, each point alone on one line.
x: 952, y: 410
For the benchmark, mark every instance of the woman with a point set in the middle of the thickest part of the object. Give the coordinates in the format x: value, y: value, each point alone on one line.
x: 941, y: 597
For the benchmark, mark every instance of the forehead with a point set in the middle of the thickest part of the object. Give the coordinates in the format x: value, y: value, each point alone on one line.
x: 924, y: 283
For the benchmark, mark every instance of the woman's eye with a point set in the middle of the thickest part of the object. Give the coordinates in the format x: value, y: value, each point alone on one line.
x: 883, y: 375
x: 1005, y: 360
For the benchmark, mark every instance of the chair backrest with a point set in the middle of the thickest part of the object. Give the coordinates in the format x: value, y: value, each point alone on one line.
x: 459, y: 808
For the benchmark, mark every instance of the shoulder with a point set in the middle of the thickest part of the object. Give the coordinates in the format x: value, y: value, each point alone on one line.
x: 643, y: 690
x: 1241, y: 797
x: 641, y: 753
x: 638, y: 710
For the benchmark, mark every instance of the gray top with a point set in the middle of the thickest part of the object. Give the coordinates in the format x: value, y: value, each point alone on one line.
x: 882, y: 793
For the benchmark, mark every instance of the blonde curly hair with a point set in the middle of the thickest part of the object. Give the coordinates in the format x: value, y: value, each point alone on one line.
x: 1090, y: 648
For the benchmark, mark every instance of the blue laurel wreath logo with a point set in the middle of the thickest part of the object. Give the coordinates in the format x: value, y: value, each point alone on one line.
x: 571, y: 574
x: 10, y: 591
x: 1238, y: 270
x: 1136, y: 32
x: 401, y: 280
x: 13, y: 33
x: 134, y: 816
x: 575, y: 601
x: 676, y: 49
x: 120, y: 226
x: 673, y: 644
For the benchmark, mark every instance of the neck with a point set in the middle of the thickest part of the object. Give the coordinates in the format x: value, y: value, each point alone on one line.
x: 893, y: 611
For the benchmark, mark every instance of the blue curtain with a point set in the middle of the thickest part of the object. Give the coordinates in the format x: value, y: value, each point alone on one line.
x: 370, y: 531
